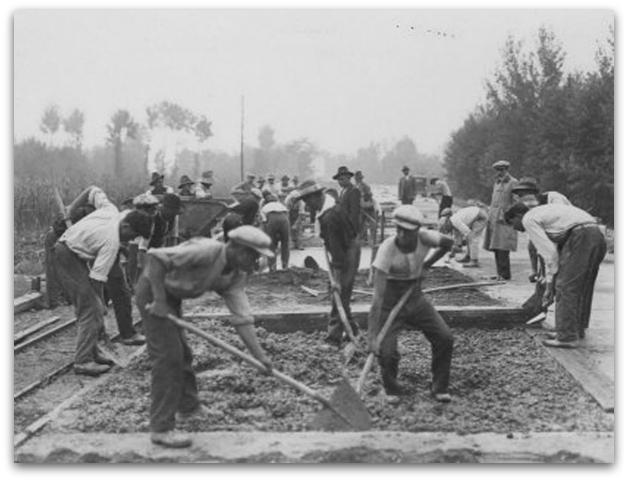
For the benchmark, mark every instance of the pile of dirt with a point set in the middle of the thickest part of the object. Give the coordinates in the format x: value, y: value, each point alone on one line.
x: 502, y: 381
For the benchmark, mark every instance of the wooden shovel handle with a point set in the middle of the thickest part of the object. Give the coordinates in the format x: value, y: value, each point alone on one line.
x: 380, y: 337
x: 246, y: 358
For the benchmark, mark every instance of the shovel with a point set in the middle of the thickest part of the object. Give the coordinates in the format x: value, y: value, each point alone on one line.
x: 343, y: 412
x: 382, y: 333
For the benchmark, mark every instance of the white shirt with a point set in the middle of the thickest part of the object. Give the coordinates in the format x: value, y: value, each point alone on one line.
x: 465, y: 217
x: 96, y: 237
x: 548, y: 224
x: 274, y: 206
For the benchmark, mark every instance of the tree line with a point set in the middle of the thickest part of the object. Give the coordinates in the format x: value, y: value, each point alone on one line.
x: 550, y: 125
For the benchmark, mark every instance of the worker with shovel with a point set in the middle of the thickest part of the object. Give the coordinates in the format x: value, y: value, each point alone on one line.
x: 398, y: 269
x: 182, y: 272
x: 340, y: 238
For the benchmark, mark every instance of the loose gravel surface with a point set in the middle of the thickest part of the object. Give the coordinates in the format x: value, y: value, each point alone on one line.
x: 502, y: 381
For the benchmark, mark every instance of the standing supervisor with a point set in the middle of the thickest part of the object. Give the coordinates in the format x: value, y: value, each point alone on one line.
x: 407, y: 187
x: 182, y: 272
x: 500, y: 237
x: 399, y: 265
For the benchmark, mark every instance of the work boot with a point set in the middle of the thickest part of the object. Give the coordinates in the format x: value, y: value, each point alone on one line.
x: 389, y: 369
x: 564, y: 344
x: 472, y: 263
x: 91, y: 369
x: 135, y: 340
x: 102, y: 357
x: 171, y: 439
x: 442, y: 397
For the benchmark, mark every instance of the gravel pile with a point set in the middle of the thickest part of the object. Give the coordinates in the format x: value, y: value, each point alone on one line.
x: 502, y: 381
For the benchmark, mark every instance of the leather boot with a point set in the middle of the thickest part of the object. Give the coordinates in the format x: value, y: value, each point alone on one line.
x: 389, y: 369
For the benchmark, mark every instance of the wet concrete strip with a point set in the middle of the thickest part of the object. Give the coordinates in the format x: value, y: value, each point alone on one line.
x: 315, y: 447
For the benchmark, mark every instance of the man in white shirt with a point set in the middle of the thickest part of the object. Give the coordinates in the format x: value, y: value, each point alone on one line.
x: 441, y: 192
x: 467, y: 225
x: 572, y: 246
x: 86, y: 254
x: 399, y: 265
x: 274, y: 217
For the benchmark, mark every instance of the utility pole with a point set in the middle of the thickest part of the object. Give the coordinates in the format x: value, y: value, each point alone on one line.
x: 242, y: 141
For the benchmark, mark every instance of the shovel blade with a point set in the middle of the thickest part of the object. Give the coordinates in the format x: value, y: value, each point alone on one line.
x: 344, y: 412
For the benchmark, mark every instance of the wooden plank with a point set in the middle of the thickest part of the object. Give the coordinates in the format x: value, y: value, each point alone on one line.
x: 315, y: 319
x: 27, y: 301
x: 586, y: 373
x: 20, y: 336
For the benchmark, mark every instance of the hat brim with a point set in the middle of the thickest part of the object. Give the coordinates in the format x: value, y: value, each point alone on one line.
x: 405, y: 225
x: 161, y: 177
x: 187, y: 183
x: 337, y: 176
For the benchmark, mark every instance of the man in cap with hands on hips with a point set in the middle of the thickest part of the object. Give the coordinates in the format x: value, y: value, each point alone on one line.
x: 187, y: 271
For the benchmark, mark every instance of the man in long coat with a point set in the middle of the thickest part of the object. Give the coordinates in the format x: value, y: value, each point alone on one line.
x: 500, y: 237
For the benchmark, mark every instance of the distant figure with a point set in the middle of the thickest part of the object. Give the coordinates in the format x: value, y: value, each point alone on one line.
x: 247, y: 185
x: 275, y: 221
x: 295, y: 182
x: 441, y: 192
x: 260, y: 182
x: 271, y: 186
x: 186, y: 186
x: 369, y: 210
x: 349, y: 196
x: 296, y: 216
x: 158, y: 187
x: 407, y: 187
x: 285, y: 188
x: 204, y: 185
x: 500, y: 237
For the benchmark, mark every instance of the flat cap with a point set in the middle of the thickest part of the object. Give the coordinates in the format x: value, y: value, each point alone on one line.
x: 257, y: 193
x: 501, y: 164
x: 252, y: 237
x: 308, y: 187
x: 145, y: 200
x: 408, y: 217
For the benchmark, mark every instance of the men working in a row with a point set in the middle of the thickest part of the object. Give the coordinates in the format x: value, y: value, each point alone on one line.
x: 95, y: 241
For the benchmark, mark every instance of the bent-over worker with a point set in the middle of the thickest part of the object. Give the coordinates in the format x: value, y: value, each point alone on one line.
x: 187, y: 271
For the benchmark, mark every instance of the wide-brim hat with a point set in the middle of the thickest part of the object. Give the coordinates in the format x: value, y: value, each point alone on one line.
x: 408, y: 217
x: 285, y: 177
x: 343, y: 171
x: 154, y: 177
x: 253, y: 238
x: 526, y: 184
x: 185, y: 180
x: 501, y: 164
x: 405, y: 168
x: 308, y: 187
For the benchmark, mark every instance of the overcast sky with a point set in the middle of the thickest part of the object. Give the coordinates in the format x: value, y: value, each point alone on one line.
x: 343, y: 78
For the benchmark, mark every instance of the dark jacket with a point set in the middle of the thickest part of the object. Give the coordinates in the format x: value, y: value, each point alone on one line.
x: 349, y: 200
x: 337, y: 233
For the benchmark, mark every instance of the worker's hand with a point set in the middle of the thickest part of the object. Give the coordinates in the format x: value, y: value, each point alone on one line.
x: 548, y: 295
x: 533, y: 277
x: 158, y: 309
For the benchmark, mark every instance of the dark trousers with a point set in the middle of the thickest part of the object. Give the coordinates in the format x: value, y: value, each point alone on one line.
x: 502, y: 262
x: 417, y: 313
x: 74, y: 278
x: 173, y: 382
x: 445, y: 203
x: 578, y: 266
x: 278, y: 229
x: 348, y: 270
x: 54, y: 291
x: 119, y: 292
